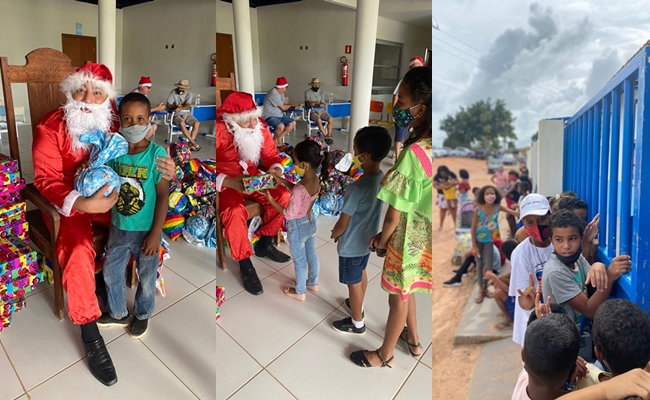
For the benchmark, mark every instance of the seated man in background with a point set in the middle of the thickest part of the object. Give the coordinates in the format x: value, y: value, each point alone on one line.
x: 144, y: 86
x: 315, y: 98
x: 179, y: 102
x: 273, y: 111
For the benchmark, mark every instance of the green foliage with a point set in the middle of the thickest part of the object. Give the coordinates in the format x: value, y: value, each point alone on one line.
x: 483, y: 124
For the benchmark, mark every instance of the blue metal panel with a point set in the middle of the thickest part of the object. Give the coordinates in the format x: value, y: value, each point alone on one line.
x: 584, y: 155
x: 612, y: 211
x: 626, y: 167
x: 604, y: 157
x: 640, y: 274
x: 589, y: 154
x: 595, y: 187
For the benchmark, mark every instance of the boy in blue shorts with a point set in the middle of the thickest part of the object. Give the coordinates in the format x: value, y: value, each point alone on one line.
x: 359, y: 222
x: 137, y: 219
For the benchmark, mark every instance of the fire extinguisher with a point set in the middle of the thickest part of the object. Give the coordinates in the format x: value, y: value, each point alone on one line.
x: 213, y: 81
x: 344, y: 71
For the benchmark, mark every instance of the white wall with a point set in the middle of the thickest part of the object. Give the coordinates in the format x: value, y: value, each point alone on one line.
x: 149, y: 27
x: 550, y: 149
x: 226, y: 24
x: 29, y: 25
x: 326, y: 28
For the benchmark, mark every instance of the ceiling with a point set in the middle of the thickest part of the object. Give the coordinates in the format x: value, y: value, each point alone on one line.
x: 412, y: 12
x: 120, y: 3
x: 261, y: 3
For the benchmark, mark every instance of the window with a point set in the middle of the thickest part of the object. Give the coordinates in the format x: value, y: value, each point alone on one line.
x: 386, y: 72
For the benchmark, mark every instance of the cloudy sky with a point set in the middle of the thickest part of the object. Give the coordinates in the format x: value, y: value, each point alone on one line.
x: 545, y: 58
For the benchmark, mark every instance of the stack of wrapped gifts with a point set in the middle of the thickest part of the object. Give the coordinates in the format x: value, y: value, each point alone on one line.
x: 19, y: 265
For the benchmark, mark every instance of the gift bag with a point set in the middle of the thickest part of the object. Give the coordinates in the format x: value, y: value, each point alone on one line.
x: 106, y: 146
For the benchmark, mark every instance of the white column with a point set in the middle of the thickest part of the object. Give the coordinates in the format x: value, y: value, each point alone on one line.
x: 365, y: 37
x: 550, y: 157
x: 243, y: 46
x: 107, y: 34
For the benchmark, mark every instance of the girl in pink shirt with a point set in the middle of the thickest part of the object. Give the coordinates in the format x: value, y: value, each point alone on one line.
x: 500, y: 180
x: 301, y: 223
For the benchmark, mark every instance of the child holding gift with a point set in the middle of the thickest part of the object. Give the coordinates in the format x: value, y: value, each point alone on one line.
x: 301, y: 223
x: 137, y: 219
x: 359, y: 222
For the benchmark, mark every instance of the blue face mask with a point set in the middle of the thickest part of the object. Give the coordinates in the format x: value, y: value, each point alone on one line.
x: 403, y: 117
x: 135, y: 133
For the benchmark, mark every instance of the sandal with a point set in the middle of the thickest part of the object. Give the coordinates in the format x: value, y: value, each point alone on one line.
x: 359, y: 358
x: 196, y: 147
x: 480, y: 298
x: 502, y: 326
x: 404, y: 337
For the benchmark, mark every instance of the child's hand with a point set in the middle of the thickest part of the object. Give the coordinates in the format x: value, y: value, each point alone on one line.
x: 268, y: 196
x: 375, y: 241
x: 490, y: 276
x: 633, y: 383
x: 597, y: 276
x: 620, y: 265
x: 541, y: 309
x: 475, y: 252
x: 529, y: 294
x: 581, y: 370
x: 151, y: 245
x: 591, y: 231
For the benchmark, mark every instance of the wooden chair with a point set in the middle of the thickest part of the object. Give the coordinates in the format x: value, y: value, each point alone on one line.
x: 225, y: 84
x: 44, y: 70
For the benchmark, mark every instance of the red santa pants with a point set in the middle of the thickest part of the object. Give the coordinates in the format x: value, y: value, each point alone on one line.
x: 234, y: 217
x: 77, y: 259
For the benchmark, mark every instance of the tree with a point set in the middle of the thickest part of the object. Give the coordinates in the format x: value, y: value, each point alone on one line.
x: 535, y: 137
x: 482, y: 124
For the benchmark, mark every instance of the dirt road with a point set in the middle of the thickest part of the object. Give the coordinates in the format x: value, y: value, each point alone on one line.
x: 453, y: 366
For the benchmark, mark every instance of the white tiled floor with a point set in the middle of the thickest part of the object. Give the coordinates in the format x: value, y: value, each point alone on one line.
x: 42, y: 358
x: 274, y: 347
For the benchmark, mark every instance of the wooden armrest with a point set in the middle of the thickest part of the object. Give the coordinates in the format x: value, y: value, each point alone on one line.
x: 32, y: 194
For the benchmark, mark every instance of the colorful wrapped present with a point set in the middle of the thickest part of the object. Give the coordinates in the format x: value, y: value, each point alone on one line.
x: 356, y: 172
x: 221, y: 297
x: 12, y: 275
x: 177, y: 202
x: 174, y: 224
x: 13, y: 214
x: 180, y: 152
x: 8, y: 164
x: 15, y: 254
x: 19, y: 229
x: 106, y: 147
x: 5, y: 322
x: 10, y: 194
x: 9, y: 178
x: 6, y: 309
x: 259, y: 182
x: 193, y: 166
x: 17, y: 288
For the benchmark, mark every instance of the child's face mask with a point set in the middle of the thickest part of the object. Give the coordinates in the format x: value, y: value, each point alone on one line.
x: 135, y: 133
x: 490, y: 198
x: 299, y: 170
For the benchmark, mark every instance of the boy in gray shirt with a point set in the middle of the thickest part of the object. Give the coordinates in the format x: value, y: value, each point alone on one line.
x: 567, y: 272
x: 359, y: 222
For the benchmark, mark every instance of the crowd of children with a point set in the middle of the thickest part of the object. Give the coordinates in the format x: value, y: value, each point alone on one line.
x: 554, y: 290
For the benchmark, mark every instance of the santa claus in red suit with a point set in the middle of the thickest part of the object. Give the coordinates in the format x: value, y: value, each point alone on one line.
x: 246, y: 147
x: 57, y: 155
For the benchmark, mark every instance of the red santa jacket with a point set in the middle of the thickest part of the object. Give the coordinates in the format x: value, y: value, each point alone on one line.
x: 228, y: 160
x: 55, y: 163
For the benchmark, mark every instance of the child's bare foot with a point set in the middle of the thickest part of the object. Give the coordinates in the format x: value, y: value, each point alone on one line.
x: 291, y: 292
x: 501, y: 326
x: 313, y: 288
x: 479, y: 298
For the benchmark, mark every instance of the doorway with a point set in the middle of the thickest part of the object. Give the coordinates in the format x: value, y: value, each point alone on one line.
x: 225, y: 59
x: 80, y: 49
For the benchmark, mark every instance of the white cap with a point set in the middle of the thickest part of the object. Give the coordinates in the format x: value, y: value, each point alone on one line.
x: 534, y: 204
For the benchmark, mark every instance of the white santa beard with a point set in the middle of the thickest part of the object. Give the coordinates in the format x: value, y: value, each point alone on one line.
x: 78, y: 121
x: 248, y: 141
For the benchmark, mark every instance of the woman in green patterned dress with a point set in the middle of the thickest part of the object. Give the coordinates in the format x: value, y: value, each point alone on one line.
x: 405, y: 239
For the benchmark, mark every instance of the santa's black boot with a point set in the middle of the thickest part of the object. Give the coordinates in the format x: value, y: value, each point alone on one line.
x: 266, y: 249
x: 99, y: 361
x: 249, y: 277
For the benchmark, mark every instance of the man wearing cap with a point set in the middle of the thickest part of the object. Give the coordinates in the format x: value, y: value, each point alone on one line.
x: 179, y: 102
x: 243, y: 144
x: 400, y: 132
x: 144, y: 87
x: 315, y: 98
x: 529, y: 258
x: 58, y: 154
x: 273, y: 111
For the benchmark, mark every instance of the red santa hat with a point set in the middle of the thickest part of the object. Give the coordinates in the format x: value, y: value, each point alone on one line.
x: 281, y: 82
x: 238, y: 107
x: 98, y: 74
x: 144, y: 81
x: 416, y: 59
